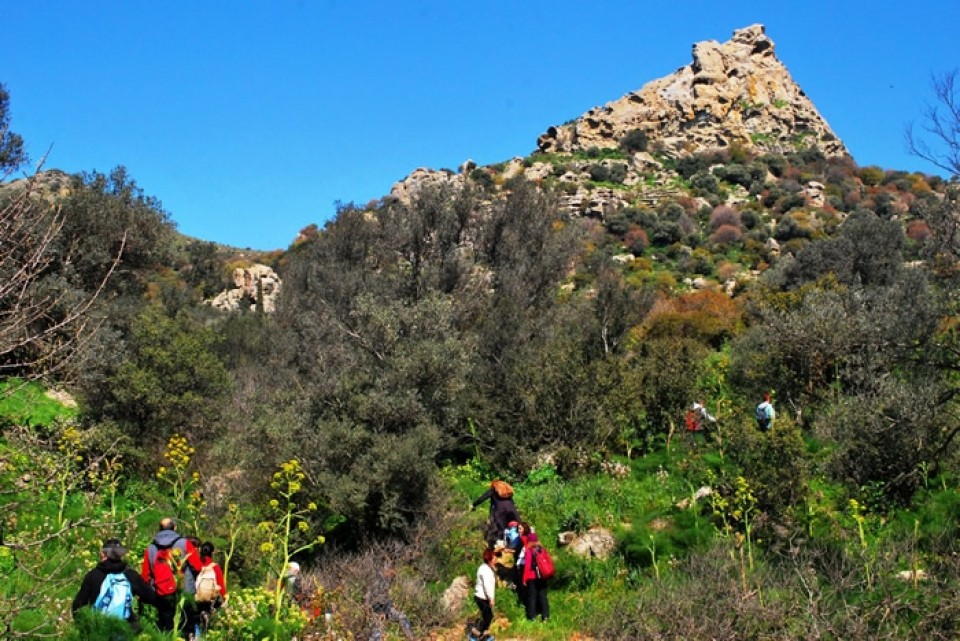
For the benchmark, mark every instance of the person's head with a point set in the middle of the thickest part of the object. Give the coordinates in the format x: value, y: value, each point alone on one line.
x: 533, y: 539
x: 293, y: 569
x: 206, y: 549
x: 112, y: 550
x: 168, y: 523
x: 766, y: 396
x: 515, y: 524
x: 488, y: 556
x: 523, y: 527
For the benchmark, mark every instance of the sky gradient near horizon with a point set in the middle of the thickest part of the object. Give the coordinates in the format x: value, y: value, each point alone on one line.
x: 249, y: 120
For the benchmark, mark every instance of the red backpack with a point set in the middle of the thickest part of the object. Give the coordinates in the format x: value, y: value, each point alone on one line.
x: 164, y: 570
x: 543, y: 564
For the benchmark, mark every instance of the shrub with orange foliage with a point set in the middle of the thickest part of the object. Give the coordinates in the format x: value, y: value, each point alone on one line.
x: 707, y: 316
x: 918, y: 230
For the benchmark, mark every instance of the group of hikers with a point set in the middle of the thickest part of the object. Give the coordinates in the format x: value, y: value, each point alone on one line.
x: 110, y: 586
x: 698, y: 419
x: 513, y: 555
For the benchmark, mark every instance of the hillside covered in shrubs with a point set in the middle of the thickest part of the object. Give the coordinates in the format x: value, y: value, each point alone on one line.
x: 548, y: 320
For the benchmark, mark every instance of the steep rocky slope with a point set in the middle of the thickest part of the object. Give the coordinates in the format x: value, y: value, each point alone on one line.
x: 735, y: 92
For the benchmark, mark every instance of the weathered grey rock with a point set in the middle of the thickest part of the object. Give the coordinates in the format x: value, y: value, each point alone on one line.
x: 596, y: 543
x: 456, y: 594
x: 408, y: 188
x: 250, y: 285
x: 735, y: 92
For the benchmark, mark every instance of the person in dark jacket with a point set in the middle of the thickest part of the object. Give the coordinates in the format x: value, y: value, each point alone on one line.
x: 168, y: 538
x: 111, y: 562
x: 502, y: 511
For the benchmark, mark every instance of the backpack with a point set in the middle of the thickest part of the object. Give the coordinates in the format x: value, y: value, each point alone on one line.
x: 762, y: 416
x: 116, y: 596
x: 693, y: 422
x: 511, y: 537
x: 543, y: 563
x: 164, y: 570
x: 207, y: 588
x: 502, y: 489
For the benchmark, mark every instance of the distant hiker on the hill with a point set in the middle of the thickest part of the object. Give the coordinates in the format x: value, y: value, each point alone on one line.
x: 502, y: 509
x: 698, y: 419
x: 110, y: 586
x: 765, y: 414
x: 484, y: 594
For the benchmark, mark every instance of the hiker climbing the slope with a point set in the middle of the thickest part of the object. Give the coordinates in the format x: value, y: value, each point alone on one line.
x: 698, y: 419
x: 537, y: 571
x: 111, y: 585
x: 162, y: 569
x: 502, y: 509
x: 484, y: 594
x: 765, y: 414
x: 211, y: 591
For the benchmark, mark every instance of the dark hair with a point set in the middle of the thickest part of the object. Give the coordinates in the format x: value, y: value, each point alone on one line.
x: 488, y: 555
x: 206, y: 550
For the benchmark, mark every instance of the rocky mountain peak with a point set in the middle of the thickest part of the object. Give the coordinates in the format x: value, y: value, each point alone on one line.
x: 734, y: 92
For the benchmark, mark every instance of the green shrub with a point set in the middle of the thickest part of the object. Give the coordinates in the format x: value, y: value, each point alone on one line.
x: 634, y: 141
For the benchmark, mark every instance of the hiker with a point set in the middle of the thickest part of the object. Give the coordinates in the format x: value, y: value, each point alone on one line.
x: 535, y: 585
x: 160, y: 569
x: 378, y: 598
x: 502, y: 509
x: 519, y: 557
x: 111, y: 586
x: 211, y: 591
x: 698, y: 418
x: 484, y: 594
x: 765, y: 414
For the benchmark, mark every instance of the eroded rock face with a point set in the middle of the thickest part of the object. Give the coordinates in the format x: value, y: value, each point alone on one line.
x: 735, y: 92
x: 250, y: 284
x: 408, y: 188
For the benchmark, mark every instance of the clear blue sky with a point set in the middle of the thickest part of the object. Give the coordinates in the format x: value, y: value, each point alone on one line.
x: 249, y: 119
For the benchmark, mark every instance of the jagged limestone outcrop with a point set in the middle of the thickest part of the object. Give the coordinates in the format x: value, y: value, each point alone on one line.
x: 251, y: 286
x: 735, y: 92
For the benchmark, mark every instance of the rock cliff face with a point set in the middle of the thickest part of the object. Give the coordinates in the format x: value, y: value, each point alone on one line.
x: 251, y: 284
x: 735, y: 92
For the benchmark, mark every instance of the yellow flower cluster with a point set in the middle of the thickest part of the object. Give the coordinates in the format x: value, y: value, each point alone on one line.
x: 179, y: 451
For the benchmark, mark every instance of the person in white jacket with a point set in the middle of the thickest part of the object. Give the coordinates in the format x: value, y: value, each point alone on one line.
x: 484, y: 594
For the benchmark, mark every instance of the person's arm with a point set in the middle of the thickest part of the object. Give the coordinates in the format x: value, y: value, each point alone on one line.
x: 145, y: 573
x: 141, y: 589
x: 218, y: 572
x: 87, y: 593
x: 486, y: 496
x: 191, y: 556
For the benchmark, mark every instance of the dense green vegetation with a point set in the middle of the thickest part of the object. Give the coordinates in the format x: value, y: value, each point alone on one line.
x: 421, y: 348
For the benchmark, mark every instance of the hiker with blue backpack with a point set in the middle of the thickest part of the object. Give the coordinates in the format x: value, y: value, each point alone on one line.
x: 765, y: 414
x: 110, y: 587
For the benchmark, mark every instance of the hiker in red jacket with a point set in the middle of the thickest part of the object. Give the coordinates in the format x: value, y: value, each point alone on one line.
x: 536, y: 587
x: 161, y: 566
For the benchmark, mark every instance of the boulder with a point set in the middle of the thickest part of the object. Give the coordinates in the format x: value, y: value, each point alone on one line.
x: 456, y: 594
x: 596, y: 543
x: 251, y: 284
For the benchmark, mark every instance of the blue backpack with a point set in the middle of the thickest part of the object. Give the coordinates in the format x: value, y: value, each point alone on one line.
x: 116, y: 596
x: 762, y: 415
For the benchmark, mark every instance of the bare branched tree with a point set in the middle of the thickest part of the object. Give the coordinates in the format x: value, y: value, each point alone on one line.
x: 940, y: 144
x: 39, y: 331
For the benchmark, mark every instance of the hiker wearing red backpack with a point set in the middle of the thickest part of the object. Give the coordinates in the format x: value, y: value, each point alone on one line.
x: 163, y: 560
x: 537, y: 570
